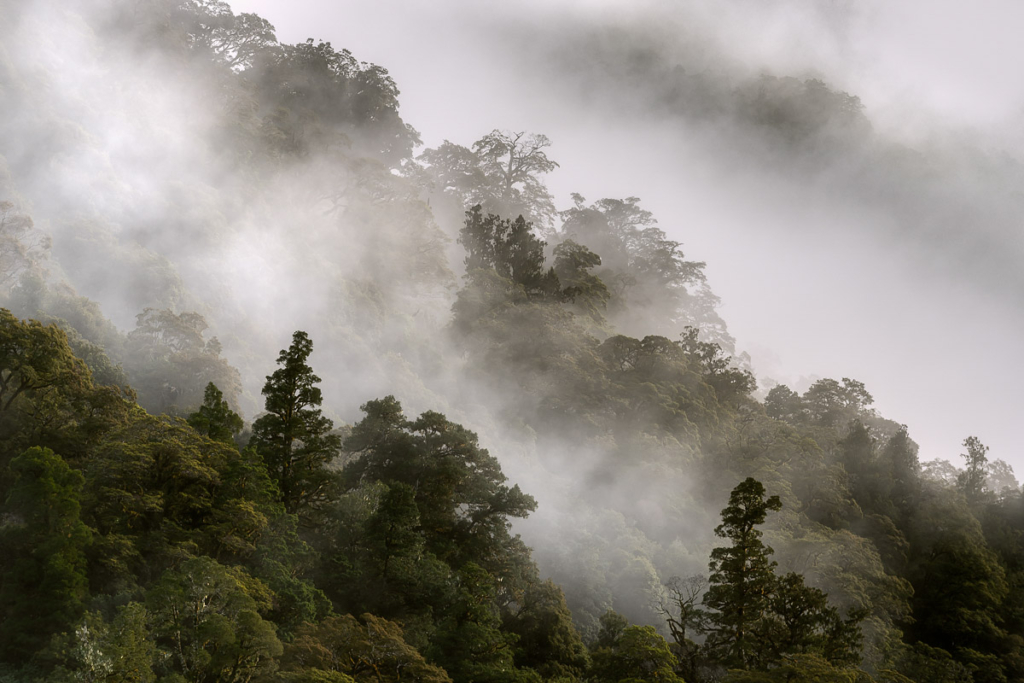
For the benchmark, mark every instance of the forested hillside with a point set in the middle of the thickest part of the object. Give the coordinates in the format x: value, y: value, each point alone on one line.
x: 287, y: 396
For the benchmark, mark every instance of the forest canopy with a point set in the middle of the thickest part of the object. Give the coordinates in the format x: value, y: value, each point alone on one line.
x: 306, y: 401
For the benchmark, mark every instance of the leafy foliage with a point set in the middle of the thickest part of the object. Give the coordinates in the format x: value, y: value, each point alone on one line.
x: 43, y: 584
x: 501, y: 173
x: 294, y: 439
x: 138, y: 548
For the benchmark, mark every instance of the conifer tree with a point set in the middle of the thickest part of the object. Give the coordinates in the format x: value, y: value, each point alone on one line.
x: 900, y: 454
x: 294, y: 438
x: 510, y: 248
x: 972, y: 480
x: 215, y: 418
x: 741, y: 576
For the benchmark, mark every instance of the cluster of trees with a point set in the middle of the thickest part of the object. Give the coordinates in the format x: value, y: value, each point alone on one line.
x: 148, y: 532
x: 139, y: 548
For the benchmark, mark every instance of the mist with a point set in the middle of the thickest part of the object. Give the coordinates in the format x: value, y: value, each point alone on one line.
x: 856, y: 204
x: 916, y: 238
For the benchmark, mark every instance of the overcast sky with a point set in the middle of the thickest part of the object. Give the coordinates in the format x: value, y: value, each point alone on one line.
x: 940, y: 352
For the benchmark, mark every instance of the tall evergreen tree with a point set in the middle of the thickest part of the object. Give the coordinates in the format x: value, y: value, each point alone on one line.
x: 972, y: 480
x: 741, y: 576
x: 901, y: 455
x: 294, y: 438
x: 215, y: 418
x: 463, y: 504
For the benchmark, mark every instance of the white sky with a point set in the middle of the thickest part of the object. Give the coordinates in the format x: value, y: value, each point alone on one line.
x: 940, y: 354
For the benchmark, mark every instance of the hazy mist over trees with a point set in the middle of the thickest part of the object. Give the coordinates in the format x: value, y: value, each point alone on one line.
x: 290, y: 391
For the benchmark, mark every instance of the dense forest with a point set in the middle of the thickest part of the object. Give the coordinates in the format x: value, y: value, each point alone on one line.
x: 285, y: 396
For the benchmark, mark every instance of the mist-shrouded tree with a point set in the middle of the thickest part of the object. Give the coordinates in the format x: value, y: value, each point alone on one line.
x: 830, y: 403
x: 170, y: 362
x: 502, y: 172
x: 234, y: 40
x: 741, y: 577
x: 36, y: 362
x: 513, y: 162
x: 215, y: 418
x: 940, y: 471
x: 782, y: 403
x: 972, y: 480
x: 900, y: 452
x: 510, y: 249
x: 313, y: 94
x: 573, y: 263
x: 649, y: 280
x: 718, y: 369
x: 683, y: 615
x: 1000, y: 479
x: 294, y: 438
x: 22, y: 248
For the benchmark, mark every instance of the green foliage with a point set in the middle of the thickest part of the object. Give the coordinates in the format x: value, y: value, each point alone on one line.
x: 632, y: 653
x: 509, y: 248
x: 972, y: 480
x: 43, y: 583
x: 170, y: 362
x: 957, y: 592
x: 826, y: 403
x: 52, y: 401
x: 370, y: 649
x: 833, y: 404
x: 731, y: 384
x: 760, y: 619
x: 573, y: 263
x: 462, y: 502
x: 156, y: 481
x: 900, y: 454
x: 121, y: 651
x: 36, y: 367
x: 379, y: 562
x: 600, y: 396
x: 547, y: 641
x: 469, y: 643
x: 294, y: 438
x: 741, y: 576
x: 502, y: 173
x: 652, y: 288
x: 801, y: 621
x: 801, y: 669
x: 924, y: 663
x: 208, y: 620
x: 215, y: 419
x: 434, y: 549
